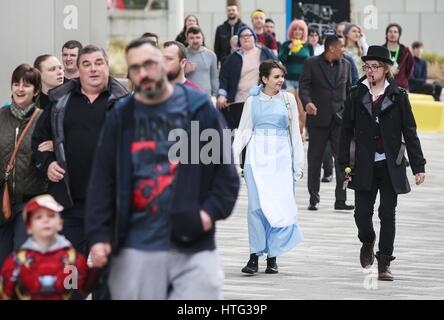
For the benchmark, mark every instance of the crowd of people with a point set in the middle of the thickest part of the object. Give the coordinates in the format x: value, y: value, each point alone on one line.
x: 92, y: 181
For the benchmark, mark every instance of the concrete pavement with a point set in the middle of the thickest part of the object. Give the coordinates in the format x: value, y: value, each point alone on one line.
x: 326, y: 265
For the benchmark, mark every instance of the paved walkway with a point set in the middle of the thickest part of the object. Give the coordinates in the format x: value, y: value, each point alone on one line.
x: 326, y: 265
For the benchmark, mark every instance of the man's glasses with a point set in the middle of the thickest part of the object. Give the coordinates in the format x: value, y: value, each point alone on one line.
x: 146, y: 65
x: 373, y: 67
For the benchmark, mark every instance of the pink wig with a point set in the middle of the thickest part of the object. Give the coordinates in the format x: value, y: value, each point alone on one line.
x: 298, y: 24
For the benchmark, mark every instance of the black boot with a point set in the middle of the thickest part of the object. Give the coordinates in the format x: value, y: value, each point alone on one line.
x: 272, y: 267
x: 384, y: 272
x: 252, y: 264
x: 367, y: 255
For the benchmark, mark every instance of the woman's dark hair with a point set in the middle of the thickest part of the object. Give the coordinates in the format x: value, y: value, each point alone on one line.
x: 266, y: 67
x: 40, y: 59
x: 29, y: 75
x: 315, y: 30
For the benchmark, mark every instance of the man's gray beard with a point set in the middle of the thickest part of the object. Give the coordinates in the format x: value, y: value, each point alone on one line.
x: 154, y: 93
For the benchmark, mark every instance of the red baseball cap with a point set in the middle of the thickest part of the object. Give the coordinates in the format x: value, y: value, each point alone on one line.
x: 45, y: 201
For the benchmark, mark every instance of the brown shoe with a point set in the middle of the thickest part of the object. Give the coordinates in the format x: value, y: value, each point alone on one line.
x: 384, y: 272
x: 367, y: 255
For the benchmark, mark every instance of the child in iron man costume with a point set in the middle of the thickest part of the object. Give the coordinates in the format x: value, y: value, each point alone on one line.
x: 46, y: 266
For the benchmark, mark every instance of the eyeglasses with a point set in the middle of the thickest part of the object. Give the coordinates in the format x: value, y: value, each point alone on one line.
x: 146, y: 65
x: 373, y: 67
x: 246, y: 36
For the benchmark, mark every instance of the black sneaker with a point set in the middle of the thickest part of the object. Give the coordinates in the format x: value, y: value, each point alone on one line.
x: 327, y: 178
x: 341, y: 205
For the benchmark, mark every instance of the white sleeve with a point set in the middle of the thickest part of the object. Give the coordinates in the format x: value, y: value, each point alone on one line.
x: 364, y: 45
x: 243, y: 133
x: 296, y: 139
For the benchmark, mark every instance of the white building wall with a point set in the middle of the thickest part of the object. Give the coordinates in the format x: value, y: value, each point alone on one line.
x: 33, y: 27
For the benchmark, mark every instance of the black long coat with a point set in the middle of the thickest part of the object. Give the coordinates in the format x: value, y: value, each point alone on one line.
x: 396, y: 121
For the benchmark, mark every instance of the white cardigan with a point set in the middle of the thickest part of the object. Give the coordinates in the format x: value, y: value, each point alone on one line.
x: 244, y: 132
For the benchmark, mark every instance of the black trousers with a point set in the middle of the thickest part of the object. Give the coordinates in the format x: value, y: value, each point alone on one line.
x: 327, y: 163
x: 364, y: 204
x: 12, y: 233
x: 74, y: 227
x: 431, y: 89
x: 318, y: 139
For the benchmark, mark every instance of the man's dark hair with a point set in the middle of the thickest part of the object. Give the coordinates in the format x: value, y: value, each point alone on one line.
x: 182, y: 51
x: 194, y: 30
x: 29, y: 75
x: 72, y: 44
x: 330, y: 41
x: 138, y: 43
x: 269, y: 20
x: 91, y: 49
x: 397, y: 26
x: 417, y: 44
x: 150, y: 34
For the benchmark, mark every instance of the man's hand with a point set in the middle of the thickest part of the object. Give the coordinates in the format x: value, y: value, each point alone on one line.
x: 221, y: 102
x: 311, y: 109
x: 55, y: 172
x: 206, y: 220
x: 190, y: 67
x: 419, y: 178
x: 46, y: 146
x: 99, y: 254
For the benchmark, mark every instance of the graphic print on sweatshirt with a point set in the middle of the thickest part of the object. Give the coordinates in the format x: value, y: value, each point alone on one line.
x: 153, y: 174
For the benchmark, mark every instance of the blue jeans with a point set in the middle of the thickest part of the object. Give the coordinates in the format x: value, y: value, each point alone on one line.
x: 12, y: 233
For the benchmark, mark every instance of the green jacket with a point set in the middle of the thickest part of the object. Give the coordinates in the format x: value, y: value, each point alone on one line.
x: 25, y: 180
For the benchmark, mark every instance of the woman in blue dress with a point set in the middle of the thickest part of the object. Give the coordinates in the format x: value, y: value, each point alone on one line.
x: 269, y: 129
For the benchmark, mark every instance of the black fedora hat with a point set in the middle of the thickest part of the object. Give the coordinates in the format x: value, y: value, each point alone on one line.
x: 378, y: 53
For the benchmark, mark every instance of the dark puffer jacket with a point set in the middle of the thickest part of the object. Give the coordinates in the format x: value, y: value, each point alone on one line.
x: 26, y: 181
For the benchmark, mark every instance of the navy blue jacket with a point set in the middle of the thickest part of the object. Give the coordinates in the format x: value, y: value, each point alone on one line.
x: 230, y: 72
x: 353, y: 69
x: 419, y: 74
x: 211, y: 187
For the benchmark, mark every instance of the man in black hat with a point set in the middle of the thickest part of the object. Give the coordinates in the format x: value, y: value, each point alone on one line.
x: 377, y: 118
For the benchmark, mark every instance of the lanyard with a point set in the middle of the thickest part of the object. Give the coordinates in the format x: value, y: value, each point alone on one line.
x: 395, y: 57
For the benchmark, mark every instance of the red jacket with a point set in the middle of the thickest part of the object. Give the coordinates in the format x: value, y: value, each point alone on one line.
x: 406, y: 65
x: 31, y: 274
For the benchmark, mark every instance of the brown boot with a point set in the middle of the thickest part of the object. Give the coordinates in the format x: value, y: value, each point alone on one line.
x: 384, y: 272
x: 367, y: 255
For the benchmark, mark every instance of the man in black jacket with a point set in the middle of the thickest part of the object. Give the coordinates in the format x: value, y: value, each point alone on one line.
x: 225, y: 32
x: 324, y: 84
x: 73, y: 122
x: 154, y: 212
x: 378, y: 116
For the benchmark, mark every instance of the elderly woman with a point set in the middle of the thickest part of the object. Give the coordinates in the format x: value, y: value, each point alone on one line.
x: 238, y: 75
x: 274, y: 163
x: 24, y: 181
x: 52, y: 74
